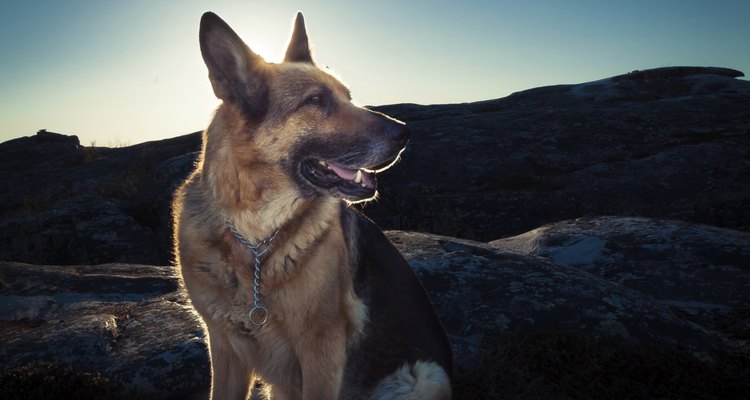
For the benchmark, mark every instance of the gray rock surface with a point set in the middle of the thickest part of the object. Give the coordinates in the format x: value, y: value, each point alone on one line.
x: 479, y: 290
x: 701, y: 273
x: 132, y: 322
x: 128, y: 322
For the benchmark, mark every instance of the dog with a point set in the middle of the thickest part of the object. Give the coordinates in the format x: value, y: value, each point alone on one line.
x: 296, y: 289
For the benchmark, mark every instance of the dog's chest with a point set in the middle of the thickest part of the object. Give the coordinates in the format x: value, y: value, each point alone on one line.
x: 234, y: 301
x: 298, y: 289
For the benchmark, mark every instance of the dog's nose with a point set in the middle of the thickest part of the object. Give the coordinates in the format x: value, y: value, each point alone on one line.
x: 398, y: 132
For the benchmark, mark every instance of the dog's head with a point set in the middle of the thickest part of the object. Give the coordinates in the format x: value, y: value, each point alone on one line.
x: 296, y: 120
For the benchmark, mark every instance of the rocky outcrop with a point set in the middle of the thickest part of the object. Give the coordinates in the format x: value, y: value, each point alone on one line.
x: 481, y: 290
x: 128, y: 322
x: 664, y: 143
x: 627, y: 282
x: 63, y: 203
x: 700, y: 273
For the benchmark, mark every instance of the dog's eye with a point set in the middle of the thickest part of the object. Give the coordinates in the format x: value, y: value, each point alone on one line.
x: 316, y: 100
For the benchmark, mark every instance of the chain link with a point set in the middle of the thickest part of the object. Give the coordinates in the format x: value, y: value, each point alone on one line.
x: 259, y: 314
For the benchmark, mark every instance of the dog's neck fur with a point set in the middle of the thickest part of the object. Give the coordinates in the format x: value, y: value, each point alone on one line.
x: 250, y: 196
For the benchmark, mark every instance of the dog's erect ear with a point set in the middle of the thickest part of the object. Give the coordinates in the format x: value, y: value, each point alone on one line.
x: 235, y: 71
x: 299, y: 48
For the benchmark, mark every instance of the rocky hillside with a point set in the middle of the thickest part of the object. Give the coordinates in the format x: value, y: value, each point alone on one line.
x: 578, y: 241
x: 667, y: 143
x: 64, y: 203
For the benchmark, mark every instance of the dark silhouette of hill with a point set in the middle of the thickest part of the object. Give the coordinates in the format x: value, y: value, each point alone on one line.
x: 666, y: 143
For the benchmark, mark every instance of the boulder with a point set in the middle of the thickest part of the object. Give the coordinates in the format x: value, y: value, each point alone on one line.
x: 127, y: 322
x: 480, y: 290
x: 701, y: 273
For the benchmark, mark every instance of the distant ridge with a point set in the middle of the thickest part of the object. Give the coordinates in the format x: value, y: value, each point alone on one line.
x: 665, y: 142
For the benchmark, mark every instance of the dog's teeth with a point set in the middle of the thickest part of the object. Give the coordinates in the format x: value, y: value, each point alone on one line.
x: 363, y: 185
x: 358, y: 177
x: 323, y: 163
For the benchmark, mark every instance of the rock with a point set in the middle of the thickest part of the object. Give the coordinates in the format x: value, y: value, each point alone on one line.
x: 127, y: 322
x: 78, y: 229
x: 133, y: 323
x: 700, y: 272
x: 480, y: 290
x: 68, y: 204
x: 669, y: 143
x: 663, y: 143
x: 666, y: 143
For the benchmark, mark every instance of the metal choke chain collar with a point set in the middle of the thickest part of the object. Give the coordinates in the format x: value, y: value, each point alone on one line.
x: 259, y: 314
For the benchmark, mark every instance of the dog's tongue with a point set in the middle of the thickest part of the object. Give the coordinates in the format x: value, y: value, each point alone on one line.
x: 344, y: 173
x: 368, y: 179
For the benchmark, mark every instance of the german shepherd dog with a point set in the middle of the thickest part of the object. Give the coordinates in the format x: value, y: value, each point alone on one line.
x: 296, y: 289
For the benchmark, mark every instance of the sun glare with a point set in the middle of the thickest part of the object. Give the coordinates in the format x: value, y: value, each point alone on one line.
x: 268, y: 49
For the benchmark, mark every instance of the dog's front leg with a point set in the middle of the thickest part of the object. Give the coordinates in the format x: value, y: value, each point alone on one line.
x: 230, y: 378
x: 322, y: 361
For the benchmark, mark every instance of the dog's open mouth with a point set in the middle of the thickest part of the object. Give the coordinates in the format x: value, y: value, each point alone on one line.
x: 355, y: 183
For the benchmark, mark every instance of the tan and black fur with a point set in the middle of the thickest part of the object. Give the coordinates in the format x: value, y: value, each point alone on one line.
x: 288, y: 151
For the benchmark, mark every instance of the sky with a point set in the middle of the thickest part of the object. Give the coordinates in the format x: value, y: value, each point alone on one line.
x: 124, y: 72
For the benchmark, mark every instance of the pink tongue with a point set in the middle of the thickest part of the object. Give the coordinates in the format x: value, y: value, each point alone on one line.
x: 345, y: 173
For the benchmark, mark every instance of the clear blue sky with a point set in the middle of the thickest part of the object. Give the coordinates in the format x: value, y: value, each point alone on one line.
x: 118, y: 72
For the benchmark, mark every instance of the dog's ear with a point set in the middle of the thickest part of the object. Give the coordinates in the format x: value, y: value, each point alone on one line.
x: 237, y: 74
x: 299, y: 48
